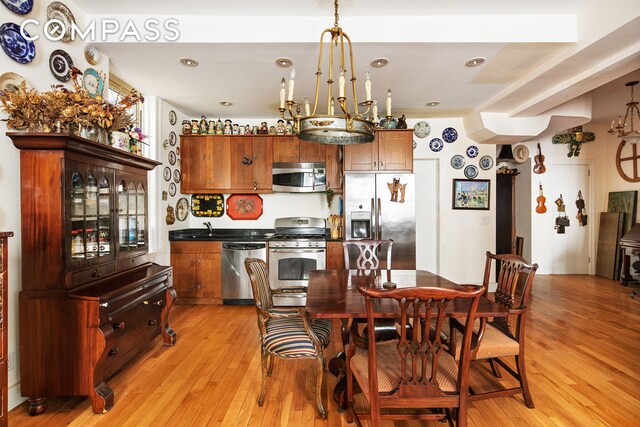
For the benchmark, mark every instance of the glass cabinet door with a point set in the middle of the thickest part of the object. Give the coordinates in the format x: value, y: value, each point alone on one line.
x: 132, y: 220
x: 89, y: 214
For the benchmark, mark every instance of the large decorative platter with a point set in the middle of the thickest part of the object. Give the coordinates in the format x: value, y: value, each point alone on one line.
x: 10, y: 82
x: 244, y: 206
x: 59, y: 11
x: 422, y: 129
x: 211, y: 205
x: 21, y: 7
x: 60, y: 63
x: 457, y: 161
x: 14, y: 45
x: 92, y: 82
x: 449, y: 135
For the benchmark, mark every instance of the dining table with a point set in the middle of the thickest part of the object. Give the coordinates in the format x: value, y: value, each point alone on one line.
x: 334, y: 294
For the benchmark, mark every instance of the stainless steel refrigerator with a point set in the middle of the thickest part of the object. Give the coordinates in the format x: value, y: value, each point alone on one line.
x: 382, y: 206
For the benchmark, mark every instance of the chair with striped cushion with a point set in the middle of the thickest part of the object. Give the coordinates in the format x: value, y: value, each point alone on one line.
x: 497, y: 339
x: 413, y: 376
x: 285, y: 332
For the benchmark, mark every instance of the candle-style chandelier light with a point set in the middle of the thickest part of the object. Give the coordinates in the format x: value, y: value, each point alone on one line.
x: 624, y: 128
x: 342, y: 123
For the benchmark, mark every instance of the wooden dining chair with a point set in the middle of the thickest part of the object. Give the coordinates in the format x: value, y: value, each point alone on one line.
x: 414, y: 371
x: 498, y: 339
x: 366, y: 254
x: 285, y: 332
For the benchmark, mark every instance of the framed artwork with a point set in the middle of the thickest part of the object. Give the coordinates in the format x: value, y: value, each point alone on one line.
x: 471, y: 194
x: 627, y: 202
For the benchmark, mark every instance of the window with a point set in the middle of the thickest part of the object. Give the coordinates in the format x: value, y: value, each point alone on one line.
x: 118, y: 89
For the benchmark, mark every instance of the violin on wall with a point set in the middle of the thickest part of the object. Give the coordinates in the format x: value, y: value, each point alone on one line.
x: 539, y: 167
x: 541, y: 208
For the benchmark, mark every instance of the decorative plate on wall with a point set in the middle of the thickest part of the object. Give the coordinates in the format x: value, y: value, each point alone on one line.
x: 457, y: 161
x: 172, y: 138
x: 10, y: 82
x: 471, y: 171
x: 207, y: 205
x: 182, y: 209
x: 244, y: 206
x: 60, y: 63
x: 449, y: 135
x: 92, y: 55
x: 422, y: 129
x: 436, y: 144
x: 472, y: 151
x: 14, y: 45
x: 172, y: 117
x: 21, y: 7
x: 59, y: 11
x: 166, y: 173
x: 92, y: 82
x: 172, y: 158
x: 172, y: 189
x: 486, y: 162
x: 176, y: 176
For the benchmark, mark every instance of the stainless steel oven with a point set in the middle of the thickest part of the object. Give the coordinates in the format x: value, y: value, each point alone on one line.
x: 298, y: 247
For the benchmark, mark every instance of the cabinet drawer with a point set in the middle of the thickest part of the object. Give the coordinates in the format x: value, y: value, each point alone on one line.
x: 85, y: 276
x: 196, y: 247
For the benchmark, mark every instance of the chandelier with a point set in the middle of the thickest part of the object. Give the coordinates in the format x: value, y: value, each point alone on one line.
x: 624, y: 129
x: 349, y: 125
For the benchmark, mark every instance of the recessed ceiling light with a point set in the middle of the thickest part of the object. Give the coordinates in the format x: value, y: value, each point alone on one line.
x: 432, y: 103
x: 474, y: 62
x: 189, y: 62
x: 284, y: 62
x: 379, y: 62
x: 226, y: 103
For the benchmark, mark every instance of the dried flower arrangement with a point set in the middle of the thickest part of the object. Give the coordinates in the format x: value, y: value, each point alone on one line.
x: 63, y: 110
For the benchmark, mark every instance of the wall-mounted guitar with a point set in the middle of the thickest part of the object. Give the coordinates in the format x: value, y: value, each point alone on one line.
x: 541, y: 208
x: 539, y: 167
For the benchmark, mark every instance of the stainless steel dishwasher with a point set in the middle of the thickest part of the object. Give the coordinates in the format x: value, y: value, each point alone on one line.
x: 236, y: 286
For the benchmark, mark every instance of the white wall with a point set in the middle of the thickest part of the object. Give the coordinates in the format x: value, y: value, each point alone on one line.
x: 38, y: 76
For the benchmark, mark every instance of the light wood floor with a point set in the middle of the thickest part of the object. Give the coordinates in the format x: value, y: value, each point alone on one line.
x: 583, y: 347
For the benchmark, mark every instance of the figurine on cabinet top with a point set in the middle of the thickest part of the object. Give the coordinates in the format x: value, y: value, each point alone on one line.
x: 280, y: 128
x: 219, y: 128
x: 234, y: 129
x: 211, y: 129
x: 203, y: 125
x: 263, y: 128
x: 194, y: 127
x: 272, y: 130
x: 247, y: 130
x: 288, y: 129
x: 227, y: 127
x: 186, y: 127
x: 241, y: 130
x: 255, y: 130
x: 402, y: 123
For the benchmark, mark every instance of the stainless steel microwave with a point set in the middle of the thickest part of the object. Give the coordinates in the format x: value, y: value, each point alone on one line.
x: 299, y: 177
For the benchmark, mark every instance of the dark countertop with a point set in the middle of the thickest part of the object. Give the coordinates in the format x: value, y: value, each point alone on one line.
x: 222, y: 234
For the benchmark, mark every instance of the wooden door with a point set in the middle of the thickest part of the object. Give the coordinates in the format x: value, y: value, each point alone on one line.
x: 208, y: 283
x: 286, y: 149
x: 311, y: 152
x: 184, y: 274
x: 395, y: 150
x: 205, y: 163
x: 361, y: 157
x: 262, y: 152
x: 241, y: 159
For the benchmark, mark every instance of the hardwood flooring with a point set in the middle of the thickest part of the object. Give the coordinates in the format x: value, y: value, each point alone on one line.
x: 583, y: 349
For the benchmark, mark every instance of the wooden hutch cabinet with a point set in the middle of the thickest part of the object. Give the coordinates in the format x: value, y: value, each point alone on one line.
x: 4, y: 237
x: 90, y: 300
x: 391, y: 150
x: 216, y: 163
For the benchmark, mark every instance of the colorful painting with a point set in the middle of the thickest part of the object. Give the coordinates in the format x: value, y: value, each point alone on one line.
x: 471, y: 193
x: 627, y: 202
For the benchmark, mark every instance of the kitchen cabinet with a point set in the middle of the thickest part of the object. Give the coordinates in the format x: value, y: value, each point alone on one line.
x: 197, y: 274
x: 335, y: 255
x: 333, y: 156
x: 90, y: 300
x: 226, y: 164
x: 391, y: 150
x: 290, y: 149
x: 4, y: 297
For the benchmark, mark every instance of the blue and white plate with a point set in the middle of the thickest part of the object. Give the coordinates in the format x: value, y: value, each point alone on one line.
x: 471, y: 171
x: 14, y: 45
x: 449, y: 135
x: 472, y: 151
x: 457, y: 161
x: 21, y: 7
x: 486, y: 162
x: 415, y: 145
x: 436, y: 144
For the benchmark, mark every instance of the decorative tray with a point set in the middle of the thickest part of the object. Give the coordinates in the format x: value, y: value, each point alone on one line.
x: 244, y: 206
x: 210, y: 205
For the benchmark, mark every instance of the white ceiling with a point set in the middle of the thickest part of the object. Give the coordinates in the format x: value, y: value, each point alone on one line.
x: 553, y: 52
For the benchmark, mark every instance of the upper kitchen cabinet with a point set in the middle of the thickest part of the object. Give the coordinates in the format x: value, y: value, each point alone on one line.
x: 214, y: 164
x: 292, y: 150
x: 391, y: 150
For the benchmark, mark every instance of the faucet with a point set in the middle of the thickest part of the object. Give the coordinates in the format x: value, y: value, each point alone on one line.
x: 208, y: 225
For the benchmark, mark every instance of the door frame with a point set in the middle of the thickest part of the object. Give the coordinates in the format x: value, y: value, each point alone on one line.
x: 438, y: 217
